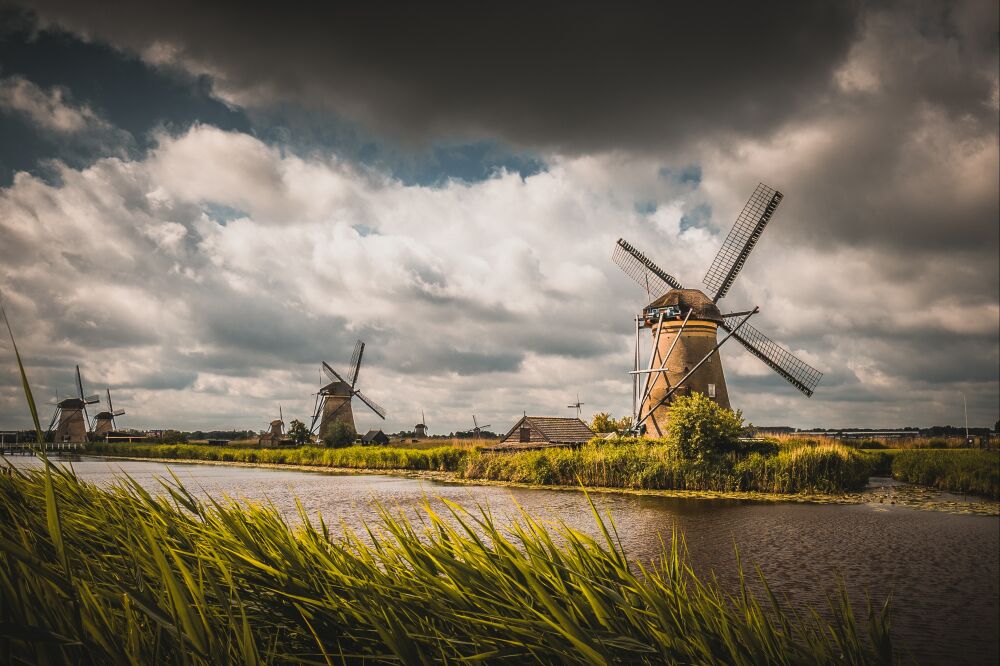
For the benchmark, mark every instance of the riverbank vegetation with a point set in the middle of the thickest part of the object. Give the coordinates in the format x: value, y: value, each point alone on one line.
x: 115, y: 575
x: 960, y: 471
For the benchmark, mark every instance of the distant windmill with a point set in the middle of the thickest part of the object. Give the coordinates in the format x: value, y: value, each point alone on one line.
x: 576, y: 405
x: 276, y: 434
x: 477, y: 429
x: 333, y: 401
x: 684, y: 324
x: 420, y: 430
x: 104, y: 422
x: 71, y: 414
x: 278, y: 425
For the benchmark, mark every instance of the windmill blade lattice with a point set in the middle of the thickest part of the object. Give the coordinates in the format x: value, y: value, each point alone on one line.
x: 797, y: 372
x: 647, y: 275
x: 355, y: 366
x: 331, y: 373
x: 741, y: 239
x: 374, y: 406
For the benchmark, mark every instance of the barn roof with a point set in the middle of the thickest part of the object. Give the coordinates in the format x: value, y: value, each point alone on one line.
x: 372, y: 434
x: 689, y: 299
x: 546, y: 431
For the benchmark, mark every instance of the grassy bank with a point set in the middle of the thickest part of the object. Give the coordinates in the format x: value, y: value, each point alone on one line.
x: 113, y: 575
x: 442, y: 459
x: 961, y: 471
x: 645, y: 464
x: 656, y: 466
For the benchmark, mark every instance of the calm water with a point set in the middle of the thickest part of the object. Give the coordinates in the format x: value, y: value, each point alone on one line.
x: 941, y: 569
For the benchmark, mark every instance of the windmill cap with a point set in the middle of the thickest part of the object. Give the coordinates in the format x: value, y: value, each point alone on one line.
x: 71, y: 403
x: 689, y: 299
x: 336, y: 387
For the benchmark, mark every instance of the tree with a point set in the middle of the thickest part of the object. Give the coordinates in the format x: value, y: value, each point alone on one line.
x: 700, y: 428
x: 340, y: 434
x: 604, y: 422
x: 298, y: 431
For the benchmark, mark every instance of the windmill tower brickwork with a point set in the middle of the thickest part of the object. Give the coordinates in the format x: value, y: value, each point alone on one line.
x: 72, y: 425
x: 684, y: 324
x: 73, y: 421
x: 679, y: 348
x: 336, y: 407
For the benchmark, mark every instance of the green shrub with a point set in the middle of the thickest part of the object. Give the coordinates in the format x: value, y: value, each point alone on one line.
x: 700, y: 428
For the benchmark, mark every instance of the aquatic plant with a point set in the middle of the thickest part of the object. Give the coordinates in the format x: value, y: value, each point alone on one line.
x: 956, y: 470
x: 659, y: 465
x: 623, y: 463
x: 116, y: 575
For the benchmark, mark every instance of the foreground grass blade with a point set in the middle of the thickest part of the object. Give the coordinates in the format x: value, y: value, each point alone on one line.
x: 171, y: 579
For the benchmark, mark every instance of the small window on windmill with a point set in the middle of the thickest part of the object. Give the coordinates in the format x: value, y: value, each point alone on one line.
x: 711, y: 390
x: 525, y: 434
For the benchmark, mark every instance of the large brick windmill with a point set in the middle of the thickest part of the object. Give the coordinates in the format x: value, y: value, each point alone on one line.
x: 333, y: 401
x: 71, y: 414
x: 685, y: 322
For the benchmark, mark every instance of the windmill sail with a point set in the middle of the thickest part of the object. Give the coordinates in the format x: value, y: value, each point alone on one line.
x: 331, y: 373
x: 648, y: 275
x: 741, y: 239
x: 797, y: 372
x: 355, y: 366
x: 375, y: 407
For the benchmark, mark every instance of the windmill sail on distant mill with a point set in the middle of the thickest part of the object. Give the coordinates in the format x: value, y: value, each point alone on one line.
x: 685, y: 322
x: 104, y: 422
x: 333, y: 401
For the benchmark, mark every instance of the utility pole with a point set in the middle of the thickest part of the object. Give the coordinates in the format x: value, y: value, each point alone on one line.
x: 965, y: 407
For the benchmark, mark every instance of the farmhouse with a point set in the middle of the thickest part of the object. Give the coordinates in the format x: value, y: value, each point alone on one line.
x: 540, y: 432
x: 375, y: 437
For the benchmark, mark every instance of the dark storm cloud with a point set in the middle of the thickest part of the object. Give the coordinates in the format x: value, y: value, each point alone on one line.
x: 579, y: 77
x: 131, y: 96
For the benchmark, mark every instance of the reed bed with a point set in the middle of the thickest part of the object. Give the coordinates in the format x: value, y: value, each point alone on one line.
x: 962, y: 471
x: 93, y: 575
x: 656, y: 465
x: 445, y: 458
x: 627, y: 463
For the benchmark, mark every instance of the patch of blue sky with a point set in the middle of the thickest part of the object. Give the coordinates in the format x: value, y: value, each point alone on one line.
x: 645, y: 207
x: 467, y: 162
x: 365, y: 230
x: 696, y: 217
x: 689, y: 175
x: 221, y: 213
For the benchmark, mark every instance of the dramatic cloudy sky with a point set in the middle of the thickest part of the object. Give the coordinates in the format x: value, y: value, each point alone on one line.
x: 198, y: 205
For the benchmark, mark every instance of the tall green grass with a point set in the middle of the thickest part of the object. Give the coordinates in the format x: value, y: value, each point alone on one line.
x: 963, y: 471
x: 115, y: 575
x: 655, y: 465
x: 445, y: 458
x: 629, y: 463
